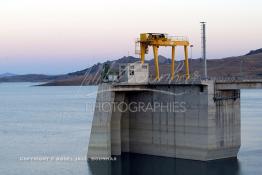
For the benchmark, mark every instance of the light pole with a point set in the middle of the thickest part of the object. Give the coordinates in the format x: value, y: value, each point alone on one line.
x: 203, y: 28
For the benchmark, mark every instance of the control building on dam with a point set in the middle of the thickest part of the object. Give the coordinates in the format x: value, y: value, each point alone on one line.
x: 198, y: 120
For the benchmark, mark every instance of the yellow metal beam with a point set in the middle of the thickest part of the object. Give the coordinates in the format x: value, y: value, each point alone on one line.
x: 142, y: 53
x: 186, y: 62
x: 167, y: 43
x: 173, y: 63
x: 161, y: 39
x: 155, y: 49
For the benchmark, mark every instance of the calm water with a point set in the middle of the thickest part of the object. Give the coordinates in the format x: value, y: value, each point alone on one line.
x: 53, y: 123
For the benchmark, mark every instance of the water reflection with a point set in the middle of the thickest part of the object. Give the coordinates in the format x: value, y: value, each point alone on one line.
x: 136, y: 164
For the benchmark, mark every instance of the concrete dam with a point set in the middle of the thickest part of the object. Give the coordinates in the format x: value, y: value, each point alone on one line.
x: 186, y: 117
x: 189, y: 120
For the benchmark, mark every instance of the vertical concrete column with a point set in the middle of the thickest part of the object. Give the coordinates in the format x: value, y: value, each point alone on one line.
x: 223, y: 123
x: 119, y: 107
x: 125, y: 129
x: 100, y: 137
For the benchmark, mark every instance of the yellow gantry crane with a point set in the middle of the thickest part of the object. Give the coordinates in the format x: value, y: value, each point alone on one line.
x: 161, y: 39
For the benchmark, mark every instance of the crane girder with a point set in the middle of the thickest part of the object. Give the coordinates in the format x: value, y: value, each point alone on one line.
x: 161, y: 39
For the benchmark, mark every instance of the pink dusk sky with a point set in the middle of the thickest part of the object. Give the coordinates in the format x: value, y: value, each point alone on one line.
x: 60, y: 36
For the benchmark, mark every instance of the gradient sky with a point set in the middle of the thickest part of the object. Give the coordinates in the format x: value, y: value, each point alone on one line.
x: 60, y: 36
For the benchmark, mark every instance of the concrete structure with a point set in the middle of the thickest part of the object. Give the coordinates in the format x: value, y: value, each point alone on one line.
x: 134, y: 73
x: 197, y: 120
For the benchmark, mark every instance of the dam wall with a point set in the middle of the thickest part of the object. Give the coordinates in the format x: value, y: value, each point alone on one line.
x: 189, y: 121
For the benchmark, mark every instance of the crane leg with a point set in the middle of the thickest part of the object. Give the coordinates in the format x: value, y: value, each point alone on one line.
x: 142, y: 53
x: 155, y: 49
x: 186, y: 62
x: 173, y: 63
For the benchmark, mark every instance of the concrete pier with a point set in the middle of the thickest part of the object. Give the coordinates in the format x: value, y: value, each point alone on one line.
x: 187, y: 120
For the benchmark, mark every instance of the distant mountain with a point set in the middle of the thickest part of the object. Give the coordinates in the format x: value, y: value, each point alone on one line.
x: 161, y: 60
x: 249, y: 65
x: 253, y: 52
x: 7, y: 74
x: 99, y: 66
x: 32, y: 78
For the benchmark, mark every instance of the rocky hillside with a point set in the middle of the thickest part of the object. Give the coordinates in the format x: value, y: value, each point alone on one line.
x: 242, y: 66
x: 253, y: 52
x: 249, y: 65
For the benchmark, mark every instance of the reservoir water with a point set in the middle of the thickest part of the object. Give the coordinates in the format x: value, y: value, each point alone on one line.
x: 45, y: 130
